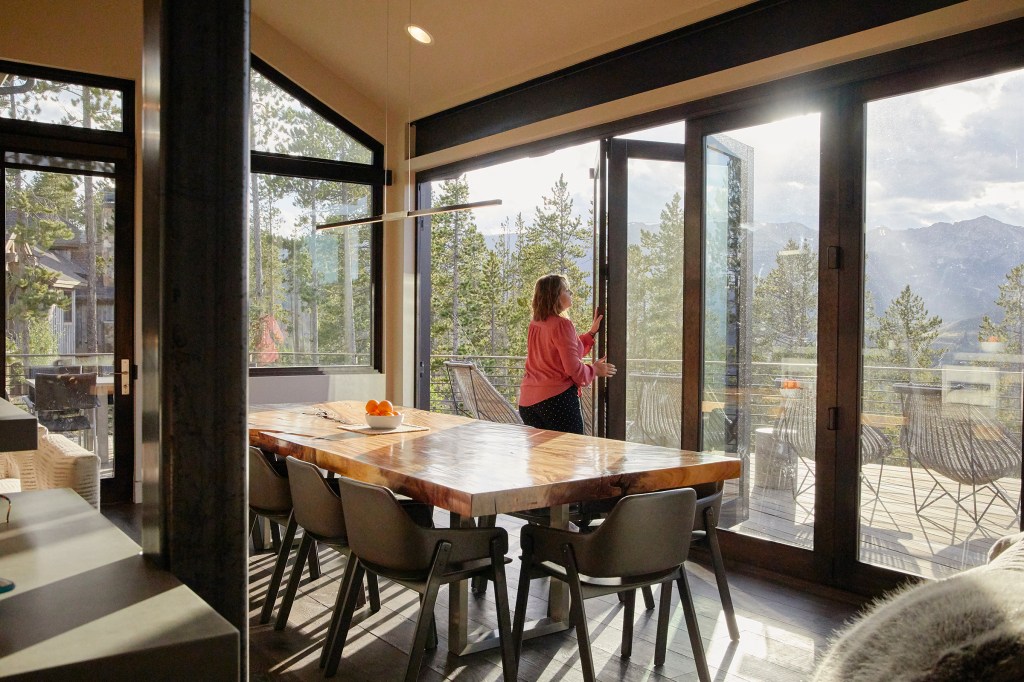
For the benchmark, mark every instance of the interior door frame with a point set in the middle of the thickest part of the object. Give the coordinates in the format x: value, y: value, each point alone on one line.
x: 117, y: 147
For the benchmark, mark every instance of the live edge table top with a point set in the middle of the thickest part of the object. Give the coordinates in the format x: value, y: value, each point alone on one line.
x: 478, y: 468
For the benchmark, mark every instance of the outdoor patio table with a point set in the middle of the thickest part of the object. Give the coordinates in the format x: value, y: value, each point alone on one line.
x: 477, y: 468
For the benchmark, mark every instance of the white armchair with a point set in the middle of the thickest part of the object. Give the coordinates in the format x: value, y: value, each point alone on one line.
x: 56, y: 463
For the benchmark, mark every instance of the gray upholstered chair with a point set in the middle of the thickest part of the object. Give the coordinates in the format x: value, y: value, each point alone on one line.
x: 385, y: 541
x: 270, y: 498
x: 638, y: 545
x: 319, y: 512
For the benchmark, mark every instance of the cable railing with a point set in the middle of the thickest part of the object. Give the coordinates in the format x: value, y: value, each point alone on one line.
x: 762, y: 393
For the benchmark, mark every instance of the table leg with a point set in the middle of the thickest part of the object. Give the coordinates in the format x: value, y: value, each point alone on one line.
x: 458, y: 604
x: 557, y: 620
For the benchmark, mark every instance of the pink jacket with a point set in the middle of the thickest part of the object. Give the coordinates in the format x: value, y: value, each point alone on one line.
x: 554, y: 362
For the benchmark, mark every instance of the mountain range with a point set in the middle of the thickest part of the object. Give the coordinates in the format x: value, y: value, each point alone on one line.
x: 955, y: 267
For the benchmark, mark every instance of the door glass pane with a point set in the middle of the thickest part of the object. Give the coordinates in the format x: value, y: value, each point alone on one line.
x: 654, y: 316
x: 940, y: 446
x: 760, y: 320
x: 59, y: 269
x: 41, y: 100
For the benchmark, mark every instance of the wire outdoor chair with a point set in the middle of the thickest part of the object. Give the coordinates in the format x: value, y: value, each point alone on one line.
x: 795, y: 433
x: 958, y: 444
x: 477, y: 396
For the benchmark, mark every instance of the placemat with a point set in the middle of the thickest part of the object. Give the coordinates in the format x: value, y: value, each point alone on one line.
x: 367, y: 430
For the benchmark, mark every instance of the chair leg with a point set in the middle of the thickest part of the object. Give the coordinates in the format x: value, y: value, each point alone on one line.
x: 427, y: 611
x: 275, y: 536
x: 522, y: 596
x: 314, y: 561
x: 341, y: 621
x: 293, y: 582
x: 509, y: 663
x: 661, y: 643
x: 256, y: 531
x: 279, y: 566
x: 628, y: 607
x: 711, y: 533
x: 696, y: 643
x: 648, y: 597
x: 578, y: 613
x: 373, y: 588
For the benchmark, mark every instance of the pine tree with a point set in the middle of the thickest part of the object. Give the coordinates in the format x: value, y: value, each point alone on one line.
x: 555, y: 242
x: 457, y: 254
x: 906, y: 331
x: 786, y: 303
x: 1011, y: 300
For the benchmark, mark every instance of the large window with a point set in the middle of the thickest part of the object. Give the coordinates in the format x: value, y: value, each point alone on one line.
x: 312, y: 293
x: 483, y: 263
x: 845, y: 314
x: 940, y: 446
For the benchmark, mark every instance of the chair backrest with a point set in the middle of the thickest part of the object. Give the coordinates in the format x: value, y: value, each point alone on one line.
x: 381, y: 533
x: 318, y: 509
x: 961, y: 441
x: 269, y: 491
x: 478, y: 395
x: 644, y: 533
x: 66, y: 392
x: 795, y: 426
x: 587, y: 406
x: 54, y: 369
x: 659, y: 411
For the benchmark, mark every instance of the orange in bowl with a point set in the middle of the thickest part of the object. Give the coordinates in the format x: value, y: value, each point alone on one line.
x: 371, y: 406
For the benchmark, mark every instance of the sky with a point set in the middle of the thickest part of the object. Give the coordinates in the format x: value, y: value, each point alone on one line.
x: 945, y: 154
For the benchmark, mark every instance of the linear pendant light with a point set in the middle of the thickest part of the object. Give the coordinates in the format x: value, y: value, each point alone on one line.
x: 401, y: 215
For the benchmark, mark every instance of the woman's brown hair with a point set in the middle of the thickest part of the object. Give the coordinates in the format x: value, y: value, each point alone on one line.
x: 545, y: 296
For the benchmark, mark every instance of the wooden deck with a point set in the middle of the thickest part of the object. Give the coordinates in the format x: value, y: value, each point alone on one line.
x: 943, y: 539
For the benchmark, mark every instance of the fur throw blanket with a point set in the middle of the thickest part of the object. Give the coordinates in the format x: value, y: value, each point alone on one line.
x: 966, y: 627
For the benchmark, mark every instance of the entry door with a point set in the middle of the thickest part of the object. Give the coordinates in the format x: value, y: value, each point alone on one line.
x: 642, y: 288
x: 68, y: 284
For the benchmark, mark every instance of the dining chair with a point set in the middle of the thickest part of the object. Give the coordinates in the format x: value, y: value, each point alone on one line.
x: 637, y: 545
x: 270, y: 498
x: 319, y: 512
x: 386, y: 542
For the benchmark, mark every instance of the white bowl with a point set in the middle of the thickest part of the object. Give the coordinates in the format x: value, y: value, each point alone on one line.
x: 378, y: 422
x: 790, y: 392
x: 992, y: 346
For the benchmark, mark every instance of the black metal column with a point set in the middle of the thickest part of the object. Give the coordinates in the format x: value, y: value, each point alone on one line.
x: 194, y: 299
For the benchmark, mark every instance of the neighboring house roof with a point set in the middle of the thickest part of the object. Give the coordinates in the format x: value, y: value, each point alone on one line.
x: 69, y: 274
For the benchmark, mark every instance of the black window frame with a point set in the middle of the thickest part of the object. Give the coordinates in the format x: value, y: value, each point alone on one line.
x: 841, y: 91
x: 372, y: 175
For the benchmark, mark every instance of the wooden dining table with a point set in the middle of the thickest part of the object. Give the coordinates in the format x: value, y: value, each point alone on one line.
x: 474, y: 468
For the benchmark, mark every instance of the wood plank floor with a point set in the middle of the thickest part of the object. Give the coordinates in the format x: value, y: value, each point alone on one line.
x: 784, y: 630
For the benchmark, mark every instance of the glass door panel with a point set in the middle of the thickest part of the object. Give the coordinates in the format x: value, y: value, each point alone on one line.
x: 645, y: 290
x: 760, y: 321
x: 60, y: 288
x: 940, y: 444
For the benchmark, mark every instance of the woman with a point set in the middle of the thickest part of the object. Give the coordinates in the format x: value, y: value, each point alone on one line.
x: 549, y: 397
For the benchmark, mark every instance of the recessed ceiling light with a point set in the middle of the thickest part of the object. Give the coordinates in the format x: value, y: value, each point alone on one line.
x: 419, y: 35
